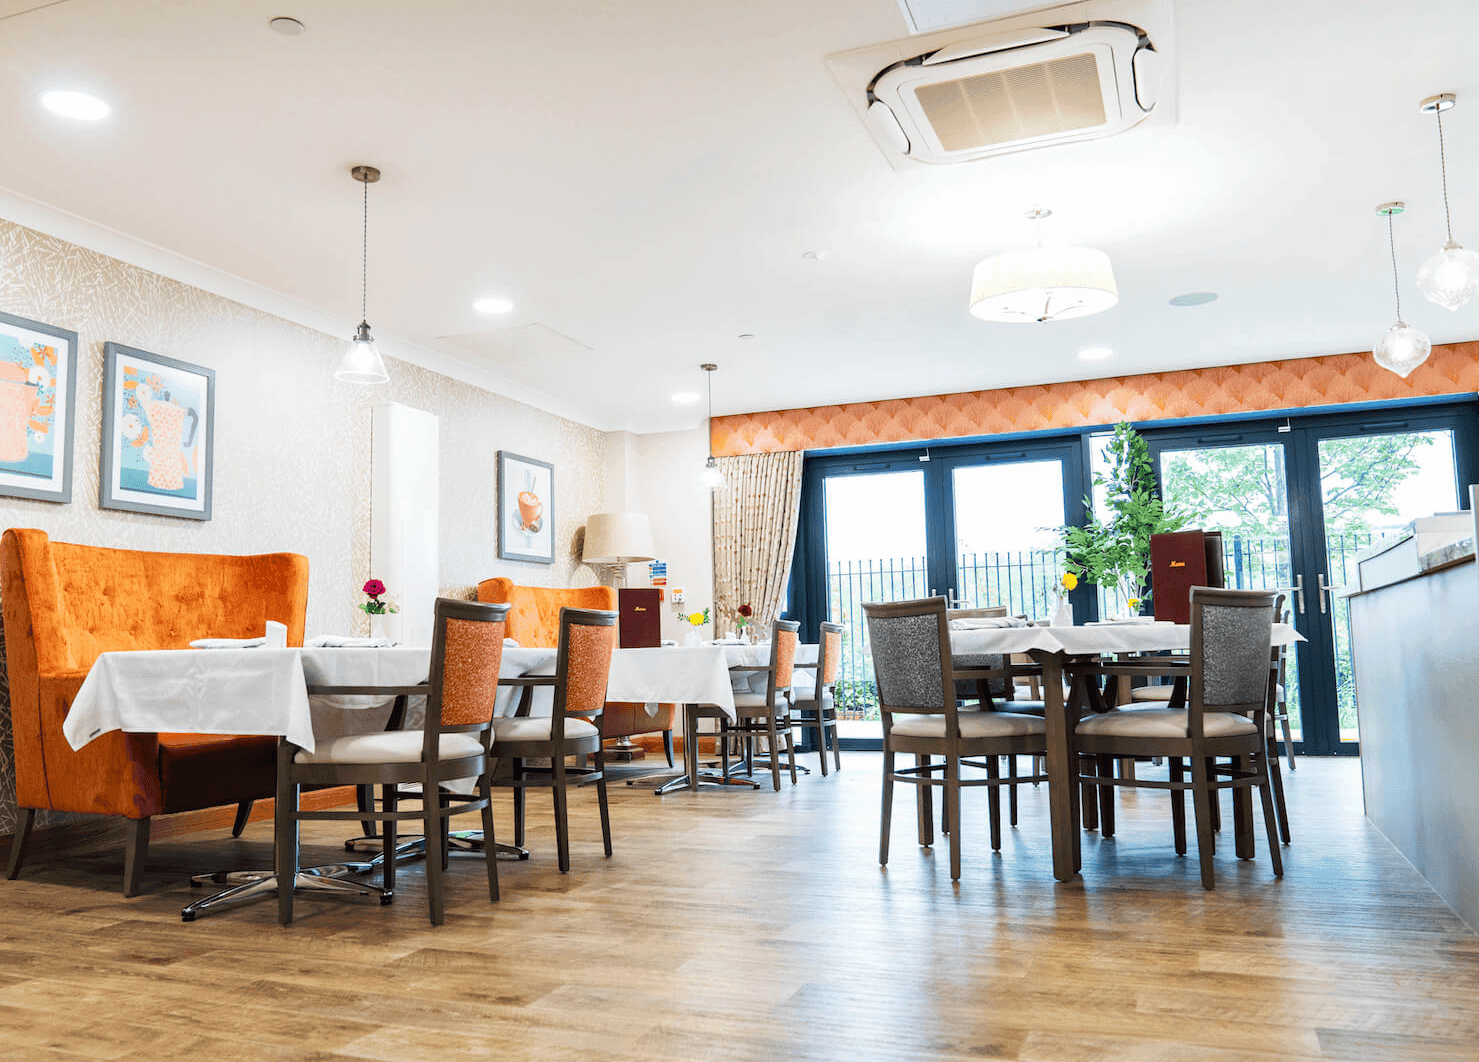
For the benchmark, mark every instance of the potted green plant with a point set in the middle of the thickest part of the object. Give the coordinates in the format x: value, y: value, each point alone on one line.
x: 1113, y: 548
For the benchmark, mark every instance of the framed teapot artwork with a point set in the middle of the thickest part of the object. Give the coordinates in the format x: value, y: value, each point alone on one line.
x: 38, y: 390
x: 158, y: 431
x: 526, y: 509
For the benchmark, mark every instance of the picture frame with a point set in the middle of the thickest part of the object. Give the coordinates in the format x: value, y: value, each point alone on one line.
x: 526, y: 509
x: 158, y: 449
x: 38, y: 409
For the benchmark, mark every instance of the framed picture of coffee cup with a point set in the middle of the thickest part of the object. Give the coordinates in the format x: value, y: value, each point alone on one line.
x: 38, y: 392
x: 526, y: 509
x: 159, y: 419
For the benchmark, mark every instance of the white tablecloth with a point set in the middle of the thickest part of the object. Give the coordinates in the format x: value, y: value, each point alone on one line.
x: 1091, y: 638
x: 193, y: 691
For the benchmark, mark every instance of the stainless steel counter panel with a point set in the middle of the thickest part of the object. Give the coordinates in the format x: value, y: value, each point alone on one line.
x: 1416, y: 648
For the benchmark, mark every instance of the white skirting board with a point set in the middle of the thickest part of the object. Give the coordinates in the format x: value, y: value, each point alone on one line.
x: 405, y: 507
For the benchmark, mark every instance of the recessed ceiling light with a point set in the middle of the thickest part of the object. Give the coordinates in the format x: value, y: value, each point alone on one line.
x: 1194, y: 298
x: 686, y: 398
x: 493, y: 306
x: 288, y: 27
x: 78, y: 106
x: 1095, y: 353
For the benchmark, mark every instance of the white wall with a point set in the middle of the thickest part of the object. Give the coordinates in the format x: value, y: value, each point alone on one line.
x: 662, y: 481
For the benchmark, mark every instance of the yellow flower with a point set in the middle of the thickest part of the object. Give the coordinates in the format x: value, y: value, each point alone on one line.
x: 1134, y: 602
x: 1070, y: 581
x: 696, y: 618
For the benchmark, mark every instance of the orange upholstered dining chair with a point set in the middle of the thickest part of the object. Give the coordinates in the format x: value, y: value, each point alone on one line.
x: 587, y: 638
x: 534, y: 620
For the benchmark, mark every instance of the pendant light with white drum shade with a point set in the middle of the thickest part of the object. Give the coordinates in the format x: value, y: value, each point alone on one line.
x: 1043, y: 283
x: 1403, y: 348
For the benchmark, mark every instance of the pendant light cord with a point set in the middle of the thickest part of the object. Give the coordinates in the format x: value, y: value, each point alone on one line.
x: 710, y: 374
x: 1443, y: 169
x: 364, y: 256
x: 1392, y: 244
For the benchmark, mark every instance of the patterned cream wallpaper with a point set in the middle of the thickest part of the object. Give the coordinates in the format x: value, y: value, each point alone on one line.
x: 292, y: 444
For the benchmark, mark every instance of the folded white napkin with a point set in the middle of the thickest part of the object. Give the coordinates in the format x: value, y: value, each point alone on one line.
x: 510, y: 643
x: 228, y: 643
x: 985, y: 623
x: 344, y: 641
x: 729, y: 641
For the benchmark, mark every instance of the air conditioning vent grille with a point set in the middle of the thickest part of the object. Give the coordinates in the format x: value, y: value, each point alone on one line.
x: 1019, y: 103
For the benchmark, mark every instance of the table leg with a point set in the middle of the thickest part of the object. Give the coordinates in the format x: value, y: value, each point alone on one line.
x: 1062, y: 771
x: 693, y: 777
x: 1243, y: 815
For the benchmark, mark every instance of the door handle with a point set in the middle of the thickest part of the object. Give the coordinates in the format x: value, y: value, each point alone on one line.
x: 1299, y: 592
x: 1327, y: 588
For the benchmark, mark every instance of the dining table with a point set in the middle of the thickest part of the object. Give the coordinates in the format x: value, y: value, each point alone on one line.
x: 306, y: 694
x: 1055, y: 649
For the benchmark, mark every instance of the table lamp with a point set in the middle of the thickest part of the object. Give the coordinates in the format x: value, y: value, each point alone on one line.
x: 614, y: 540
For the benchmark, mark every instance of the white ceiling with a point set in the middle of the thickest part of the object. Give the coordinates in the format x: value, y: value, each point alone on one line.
x: 642, y: 179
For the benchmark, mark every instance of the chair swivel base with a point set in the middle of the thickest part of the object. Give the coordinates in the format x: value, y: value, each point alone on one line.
x: 415, y: 847
x: 254, y: 884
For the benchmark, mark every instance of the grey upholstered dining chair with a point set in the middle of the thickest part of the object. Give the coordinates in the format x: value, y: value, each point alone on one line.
x: 910, y: 642
x: 1225, y: 717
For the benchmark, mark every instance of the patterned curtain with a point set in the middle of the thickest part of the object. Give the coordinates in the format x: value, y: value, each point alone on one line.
x: 755, y: 535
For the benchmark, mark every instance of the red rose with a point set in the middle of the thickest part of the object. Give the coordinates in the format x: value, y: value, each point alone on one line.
x: 746, y: 611
x: 374, y: 588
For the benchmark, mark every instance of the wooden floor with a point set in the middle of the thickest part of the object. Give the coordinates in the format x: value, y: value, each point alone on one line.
x: 758, y: 925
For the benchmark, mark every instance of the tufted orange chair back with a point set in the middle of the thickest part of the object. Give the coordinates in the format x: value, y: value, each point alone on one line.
x: 534, y: 615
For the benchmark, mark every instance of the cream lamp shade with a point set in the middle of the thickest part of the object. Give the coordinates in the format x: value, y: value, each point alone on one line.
x: 617, y: 538
x: 1043, y: 284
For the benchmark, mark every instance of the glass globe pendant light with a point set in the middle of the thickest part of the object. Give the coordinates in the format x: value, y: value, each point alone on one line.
x: 1403, y: 348
x: 1451, y: 277
x: 362, y: 362
x: 711, y: 477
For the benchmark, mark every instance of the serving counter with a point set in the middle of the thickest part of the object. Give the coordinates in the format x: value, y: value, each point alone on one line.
x: 1415, y: 641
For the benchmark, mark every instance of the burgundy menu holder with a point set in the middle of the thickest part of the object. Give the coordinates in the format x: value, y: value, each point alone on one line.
x: 639, y: 624
x: 1180, y: 560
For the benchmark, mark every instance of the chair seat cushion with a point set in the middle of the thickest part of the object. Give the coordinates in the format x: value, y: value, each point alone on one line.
x: 391, y: 746
x: 1151, y: 693
x: 750, y: 700
x: 972, y: 725
x: 540, y: 728
x: 1164, y: 723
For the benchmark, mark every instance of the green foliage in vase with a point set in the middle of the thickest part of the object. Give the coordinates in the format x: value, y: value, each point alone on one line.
x: 1113, y: 548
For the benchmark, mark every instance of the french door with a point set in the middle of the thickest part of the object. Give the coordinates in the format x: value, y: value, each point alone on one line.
x: 1297, y: 501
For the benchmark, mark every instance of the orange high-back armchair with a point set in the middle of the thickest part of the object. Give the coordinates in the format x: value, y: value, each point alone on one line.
x: 534, y: 620
x: 64, y: 604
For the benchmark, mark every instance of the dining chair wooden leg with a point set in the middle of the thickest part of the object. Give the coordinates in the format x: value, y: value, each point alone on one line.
x: 924, y: 800
x: 775, y: 753
x: 285, y: 832
x: 667, y: 745
x: 1276, y: 779
x: 432, y: 822
x: 562, y: 822
x: 364, y: 800
x: 1178, y: 803
x: 1088, y: 795
x: 390, y: 800
x: 446, y: 820
x: 601, y: 800
x: 135, y: 849
x: 993, y: 804
x: 243, y: 813
x: 518, y: 770
x: 1106, y: 767
x: 1242, y: 805
x: 1012, y: 791
x: 1202, y: 804
x: 952, y: 798
x: 888, y: 807
x: 1270, y: 821
x: 23, y: 823
x: 1288, y: 740
x: 1216, y: 797
x: 822, y: 740
x: 723, y: 742
x: 836, y: 742
x: 490, y: 847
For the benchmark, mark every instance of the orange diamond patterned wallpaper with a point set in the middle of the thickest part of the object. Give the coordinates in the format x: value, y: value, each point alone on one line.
x: 1301, y: 382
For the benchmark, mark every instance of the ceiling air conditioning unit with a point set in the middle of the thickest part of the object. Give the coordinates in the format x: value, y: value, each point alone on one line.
x: 1025, y: 89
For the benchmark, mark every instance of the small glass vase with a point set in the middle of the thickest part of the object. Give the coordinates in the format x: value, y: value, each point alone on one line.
x: 1063, y: 614
x: 377, y: 625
